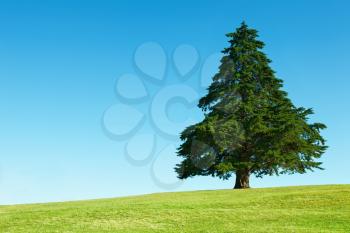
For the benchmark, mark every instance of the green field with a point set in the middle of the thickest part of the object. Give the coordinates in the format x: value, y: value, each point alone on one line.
x: 290, y: 209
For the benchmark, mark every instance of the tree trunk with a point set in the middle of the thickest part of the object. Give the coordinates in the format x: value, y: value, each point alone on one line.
x: 242, y: 179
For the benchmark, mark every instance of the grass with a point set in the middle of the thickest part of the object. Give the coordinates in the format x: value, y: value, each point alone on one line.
x: 288, y: 209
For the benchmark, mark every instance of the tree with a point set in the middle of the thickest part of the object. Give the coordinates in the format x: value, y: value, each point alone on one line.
x: 250, y: 125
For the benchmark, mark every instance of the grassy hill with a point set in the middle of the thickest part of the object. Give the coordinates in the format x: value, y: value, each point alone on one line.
x: 290, y: 209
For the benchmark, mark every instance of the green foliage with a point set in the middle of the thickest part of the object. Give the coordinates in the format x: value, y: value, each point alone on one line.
x: 250, y: 124
x: 288, y: 210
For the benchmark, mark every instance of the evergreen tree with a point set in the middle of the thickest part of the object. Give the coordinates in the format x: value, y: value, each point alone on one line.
x: 250, y: 126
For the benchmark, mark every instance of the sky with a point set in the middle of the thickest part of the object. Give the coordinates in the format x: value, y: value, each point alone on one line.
x: 93, y: 94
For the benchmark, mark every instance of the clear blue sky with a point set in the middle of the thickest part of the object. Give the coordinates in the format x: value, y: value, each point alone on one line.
x: 59, y: 62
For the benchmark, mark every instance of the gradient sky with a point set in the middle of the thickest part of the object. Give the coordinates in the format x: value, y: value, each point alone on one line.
x: 59, y: 62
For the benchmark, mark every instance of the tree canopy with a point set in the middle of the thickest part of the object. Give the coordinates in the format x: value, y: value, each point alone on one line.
x: 250, y: 127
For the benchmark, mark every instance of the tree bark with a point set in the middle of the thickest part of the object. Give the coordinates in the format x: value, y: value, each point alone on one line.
x: 242, y: 179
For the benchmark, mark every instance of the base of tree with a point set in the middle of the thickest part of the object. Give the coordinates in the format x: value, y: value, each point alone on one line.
x: 242, y: 180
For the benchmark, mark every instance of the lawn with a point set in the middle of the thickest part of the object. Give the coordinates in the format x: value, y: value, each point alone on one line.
x: 287, y: 209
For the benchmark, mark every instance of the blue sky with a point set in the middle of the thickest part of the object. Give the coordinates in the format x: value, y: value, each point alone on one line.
x: 59, y: 62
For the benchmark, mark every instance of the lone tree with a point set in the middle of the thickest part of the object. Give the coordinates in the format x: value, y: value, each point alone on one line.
x: 250, y: 127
